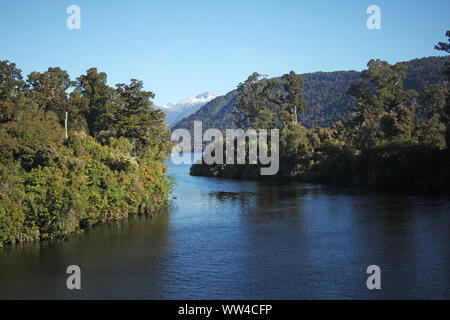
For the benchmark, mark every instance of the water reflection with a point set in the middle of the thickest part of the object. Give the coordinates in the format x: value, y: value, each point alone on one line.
x: 228, y: 239
x: 122, y: 256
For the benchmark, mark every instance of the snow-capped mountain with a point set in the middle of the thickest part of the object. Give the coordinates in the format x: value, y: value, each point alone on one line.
x: 186, y: 107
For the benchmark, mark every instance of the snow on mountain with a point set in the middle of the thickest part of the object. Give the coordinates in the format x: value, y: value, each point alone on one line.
x: 186, y: 107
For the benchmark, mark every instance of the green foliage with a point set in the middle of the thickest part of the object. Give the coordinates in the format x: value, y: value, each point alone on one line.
x: 382, y: 108
x: 326, y: 96
x: 268, y: 103
x: 112, y: 164
x: 445, y: 113
x: 395, y: 138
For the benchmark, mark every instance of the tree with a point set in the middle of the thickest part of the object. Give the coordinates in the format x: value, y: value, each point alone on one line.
x: 139, y: 121
x: 445, y: 46
x: 294, y: 150
x: 11, y: 81
x: 442, y: 46
x: 383, y: 109
x: 254, y: 102
x: 269, y: 103
x: 95, y: 100
x: 13, y: 92
x: 49, y: 90
x: 293, y: 101
x: 51, y: 186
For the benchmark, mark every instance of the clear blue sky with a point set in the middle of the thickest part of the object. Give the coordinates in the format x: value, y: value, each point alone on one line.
x: 183, y: 48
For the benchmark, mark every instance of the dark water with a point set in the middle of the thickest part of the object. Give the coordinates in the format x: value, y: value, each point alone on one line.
x: 251, y: 240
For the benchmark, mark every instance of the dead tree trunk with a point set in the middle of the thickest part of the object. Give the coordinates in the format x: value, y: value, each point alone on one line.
x: 65, y: 125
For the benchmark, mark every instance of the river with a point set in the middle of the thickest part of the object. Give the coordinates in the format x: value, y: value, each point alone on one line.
x: 224, y: 239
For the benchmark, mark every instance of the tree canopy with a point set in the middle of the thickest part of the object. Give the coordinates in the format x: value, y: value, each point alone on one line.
x: 394, y: 138
x: 111, y: 165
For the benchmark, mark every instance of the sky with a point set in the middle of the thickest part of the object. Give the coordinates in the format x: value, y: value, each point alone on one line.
x: 180, y: 49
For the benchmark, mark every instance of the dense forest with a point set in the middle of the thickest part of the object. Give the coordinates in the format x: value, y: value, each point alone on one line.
x: 395, y: 137
x: 325, y: 93
x: 77, y: 152
x: 110, y: 162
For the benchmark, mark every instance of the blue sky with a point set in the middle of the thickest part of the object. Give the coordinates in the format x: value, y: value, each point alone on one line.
x: 183, y: 48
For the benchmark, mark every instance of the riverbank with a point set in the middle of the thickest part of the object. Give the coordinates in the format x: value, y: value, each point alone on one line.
x: 48, y: 203
x: 259, y: 240
x: 72, y: 160
x: 406, y: 169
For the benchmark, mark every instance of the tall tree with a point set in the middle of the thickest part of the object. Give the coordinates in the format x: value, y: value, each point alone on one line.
x: 445, y: 46
x: 294, y: 102
x: 13, y: 91
x: 49, y: 89
x: 139, y: 121
x: 11, y: 81
x: 95, y: 100
x: 269, y: 103
x: 254, y: 102
x: 382, y: 107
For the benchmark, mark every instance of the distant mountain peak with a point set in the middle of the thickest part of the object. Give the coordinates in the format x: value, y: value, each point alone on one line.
x: 186, y: 107
x: 206, y: 95
x: 167, y: 106
x: 201, y: 98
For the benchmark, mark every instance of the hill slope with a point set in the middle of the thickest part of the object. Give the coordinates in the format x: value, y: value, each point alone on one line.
x: 325, y: 93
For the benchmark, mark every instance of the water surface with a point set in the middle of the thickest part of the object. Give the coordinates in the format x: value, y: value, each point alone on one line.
x: 224, y: 239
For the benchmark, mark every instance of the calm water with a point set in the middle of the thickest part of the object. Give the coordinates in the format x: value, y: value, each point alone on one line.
x: 225, y: 239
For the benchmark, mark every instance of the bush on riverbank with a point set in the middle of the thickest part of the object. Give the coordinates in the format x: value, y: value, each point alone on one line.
x: 395, y: 138
x: 111, y: 165
x: 395, y: 166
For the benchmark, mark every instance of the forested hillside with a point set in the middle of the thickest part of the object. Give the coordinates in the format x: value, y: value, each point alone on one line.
x: 325, y: 93
x: 395, y: 138
x: 108, y: 164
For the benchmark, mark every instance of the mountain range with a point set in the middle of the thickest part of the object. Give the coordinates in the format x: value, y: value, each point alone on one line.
x: 325, y: 93
x: 176, y: 112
